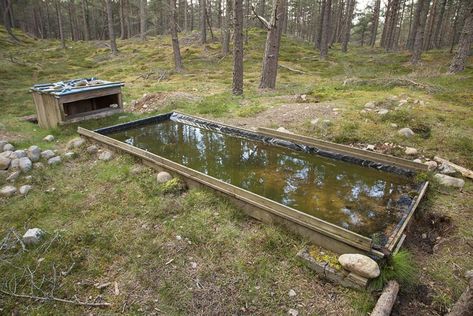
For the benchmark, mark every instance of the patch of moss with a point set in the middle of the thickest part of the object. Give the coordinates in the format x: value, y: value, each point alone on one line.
x: 324, y: 255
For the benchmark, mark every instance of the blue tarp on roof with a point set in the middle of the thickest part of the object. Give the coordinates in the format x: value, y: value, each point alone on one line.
x: 61, y: 88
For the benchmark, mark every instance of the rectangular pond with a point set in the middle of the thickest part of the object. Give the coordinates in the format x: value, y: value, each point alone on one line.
x: 366, y: 198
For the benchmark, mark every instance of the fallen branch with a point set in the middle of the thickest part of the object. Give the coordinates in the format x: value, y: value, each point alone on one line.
x: 386, y: 300
x: 57, y: 299
x: 291, y: 69
x: 465, y: 172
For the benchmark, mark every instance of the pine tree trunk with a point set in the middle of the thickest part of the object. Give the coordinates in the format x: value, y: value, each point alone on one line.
x: 271, y: 51
x: 7, y: 20
x: 175, y: 40
x: 325, y: 36
x: 226, y: 28
x: 464, y: 45
x: 321, y: 24
x: 237, y: 88
x: 375, y: 23
x: 347, y: 25
x: 436, y: 36
x: 203, y: 24
x: 59, y: 23
x: 85, y: 20
x: 415, y: 25
x: 111, y: 32
x: 122, y: 21
x: 143, y: 4
x: 419, y: 36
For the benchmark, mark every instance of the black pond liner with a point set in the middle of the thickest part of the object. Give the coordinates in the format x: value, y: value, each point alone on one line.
x: 404, y: 204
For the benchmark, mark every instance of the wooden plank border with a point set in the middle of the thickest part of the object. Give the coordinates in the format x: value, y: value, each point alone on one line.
x: 317, y: 225
x: 343, y: 149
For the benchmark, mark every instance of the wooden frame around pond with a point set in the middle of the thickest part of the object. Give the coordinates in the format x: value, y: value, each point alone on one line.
x: 320, y: 232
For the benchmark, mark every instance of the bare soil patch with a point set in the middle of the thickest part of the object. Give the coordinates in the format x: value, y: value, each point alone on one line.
x: 289, y: 114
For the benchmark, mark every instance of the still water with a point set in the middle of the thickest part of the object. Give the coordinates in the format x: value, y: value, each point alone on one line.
x: 361, y: 199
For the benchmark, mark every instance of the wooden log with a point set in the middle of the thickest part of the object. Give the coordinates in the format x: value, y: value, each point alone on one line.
x: 464, y: 305
x: 465, y: 172
x: 386, y: 300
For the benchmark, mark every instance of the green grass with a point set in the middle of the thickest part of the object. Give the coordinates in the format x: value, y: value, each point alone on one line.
x: 401, y: 268
x: 116, y: 225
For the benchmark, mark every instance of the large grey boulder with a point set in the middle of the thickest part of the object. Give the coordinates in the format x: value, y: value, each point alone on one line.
x: 360, y: 264
x: 406, y: 132
x: 446, y: 169
x: 24, y: 189
x: 7, y: 191
x: 106, y: 155
x: 8, y: 147
x: 32, y: 236
x: 34, y: 153
x: 25, y: 164
x: 163, y: 177
x: 54, y: 160
x: 19, y: 154
x: 75, y: 143
x: 4, y: 163
x: 48, y: 154
x: 448, y: 181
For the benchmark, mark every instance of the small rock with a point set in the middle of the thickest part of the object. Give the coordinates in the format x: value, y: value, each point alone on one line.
x: 431, y: 165
x: 444, y: 169
x: 417, y: 160
x: 92, y: 149
x: 292, y: 293
x: 282, y: 129
x: 469, y: 274
x: 8, y: 147
x: 32, y: 236
x: 370, y: 105
x: 47, y: 154
x: 75, y: 143
x: 34, y: 153
x: 25, y: 164
x: 178, y: 237
x: 406, y: 132
x: 4, y: 163
x: 114, y: 106
x: 49, y: 138
x: 69, y: 155
x: 13, y: 176
x: 54, y: 160
x: 394, y: 125
x: 370, y: 147
x: 106, y: 155
x: 2, y: 143
x: 314, y: 121
x: 24, y: 189
x: 19, y: 154
x: 360, y: 264
x: 410, y: 151
x: 163, y: 177
x: 449, y: 181
x: 194, y: 265
x: 15, y: 164
x: 383, y: 111
x: 7, y: 191
x: 424, y: 236
x: 292, y: 312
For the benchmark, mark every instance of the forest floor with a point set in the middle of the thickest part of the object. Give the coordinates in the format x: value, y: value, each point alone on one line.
x: 114, y: 235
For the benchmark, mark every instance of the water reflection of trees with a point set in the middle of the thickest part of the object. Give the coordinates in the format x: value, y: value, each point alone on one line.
x: 345, y: 194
